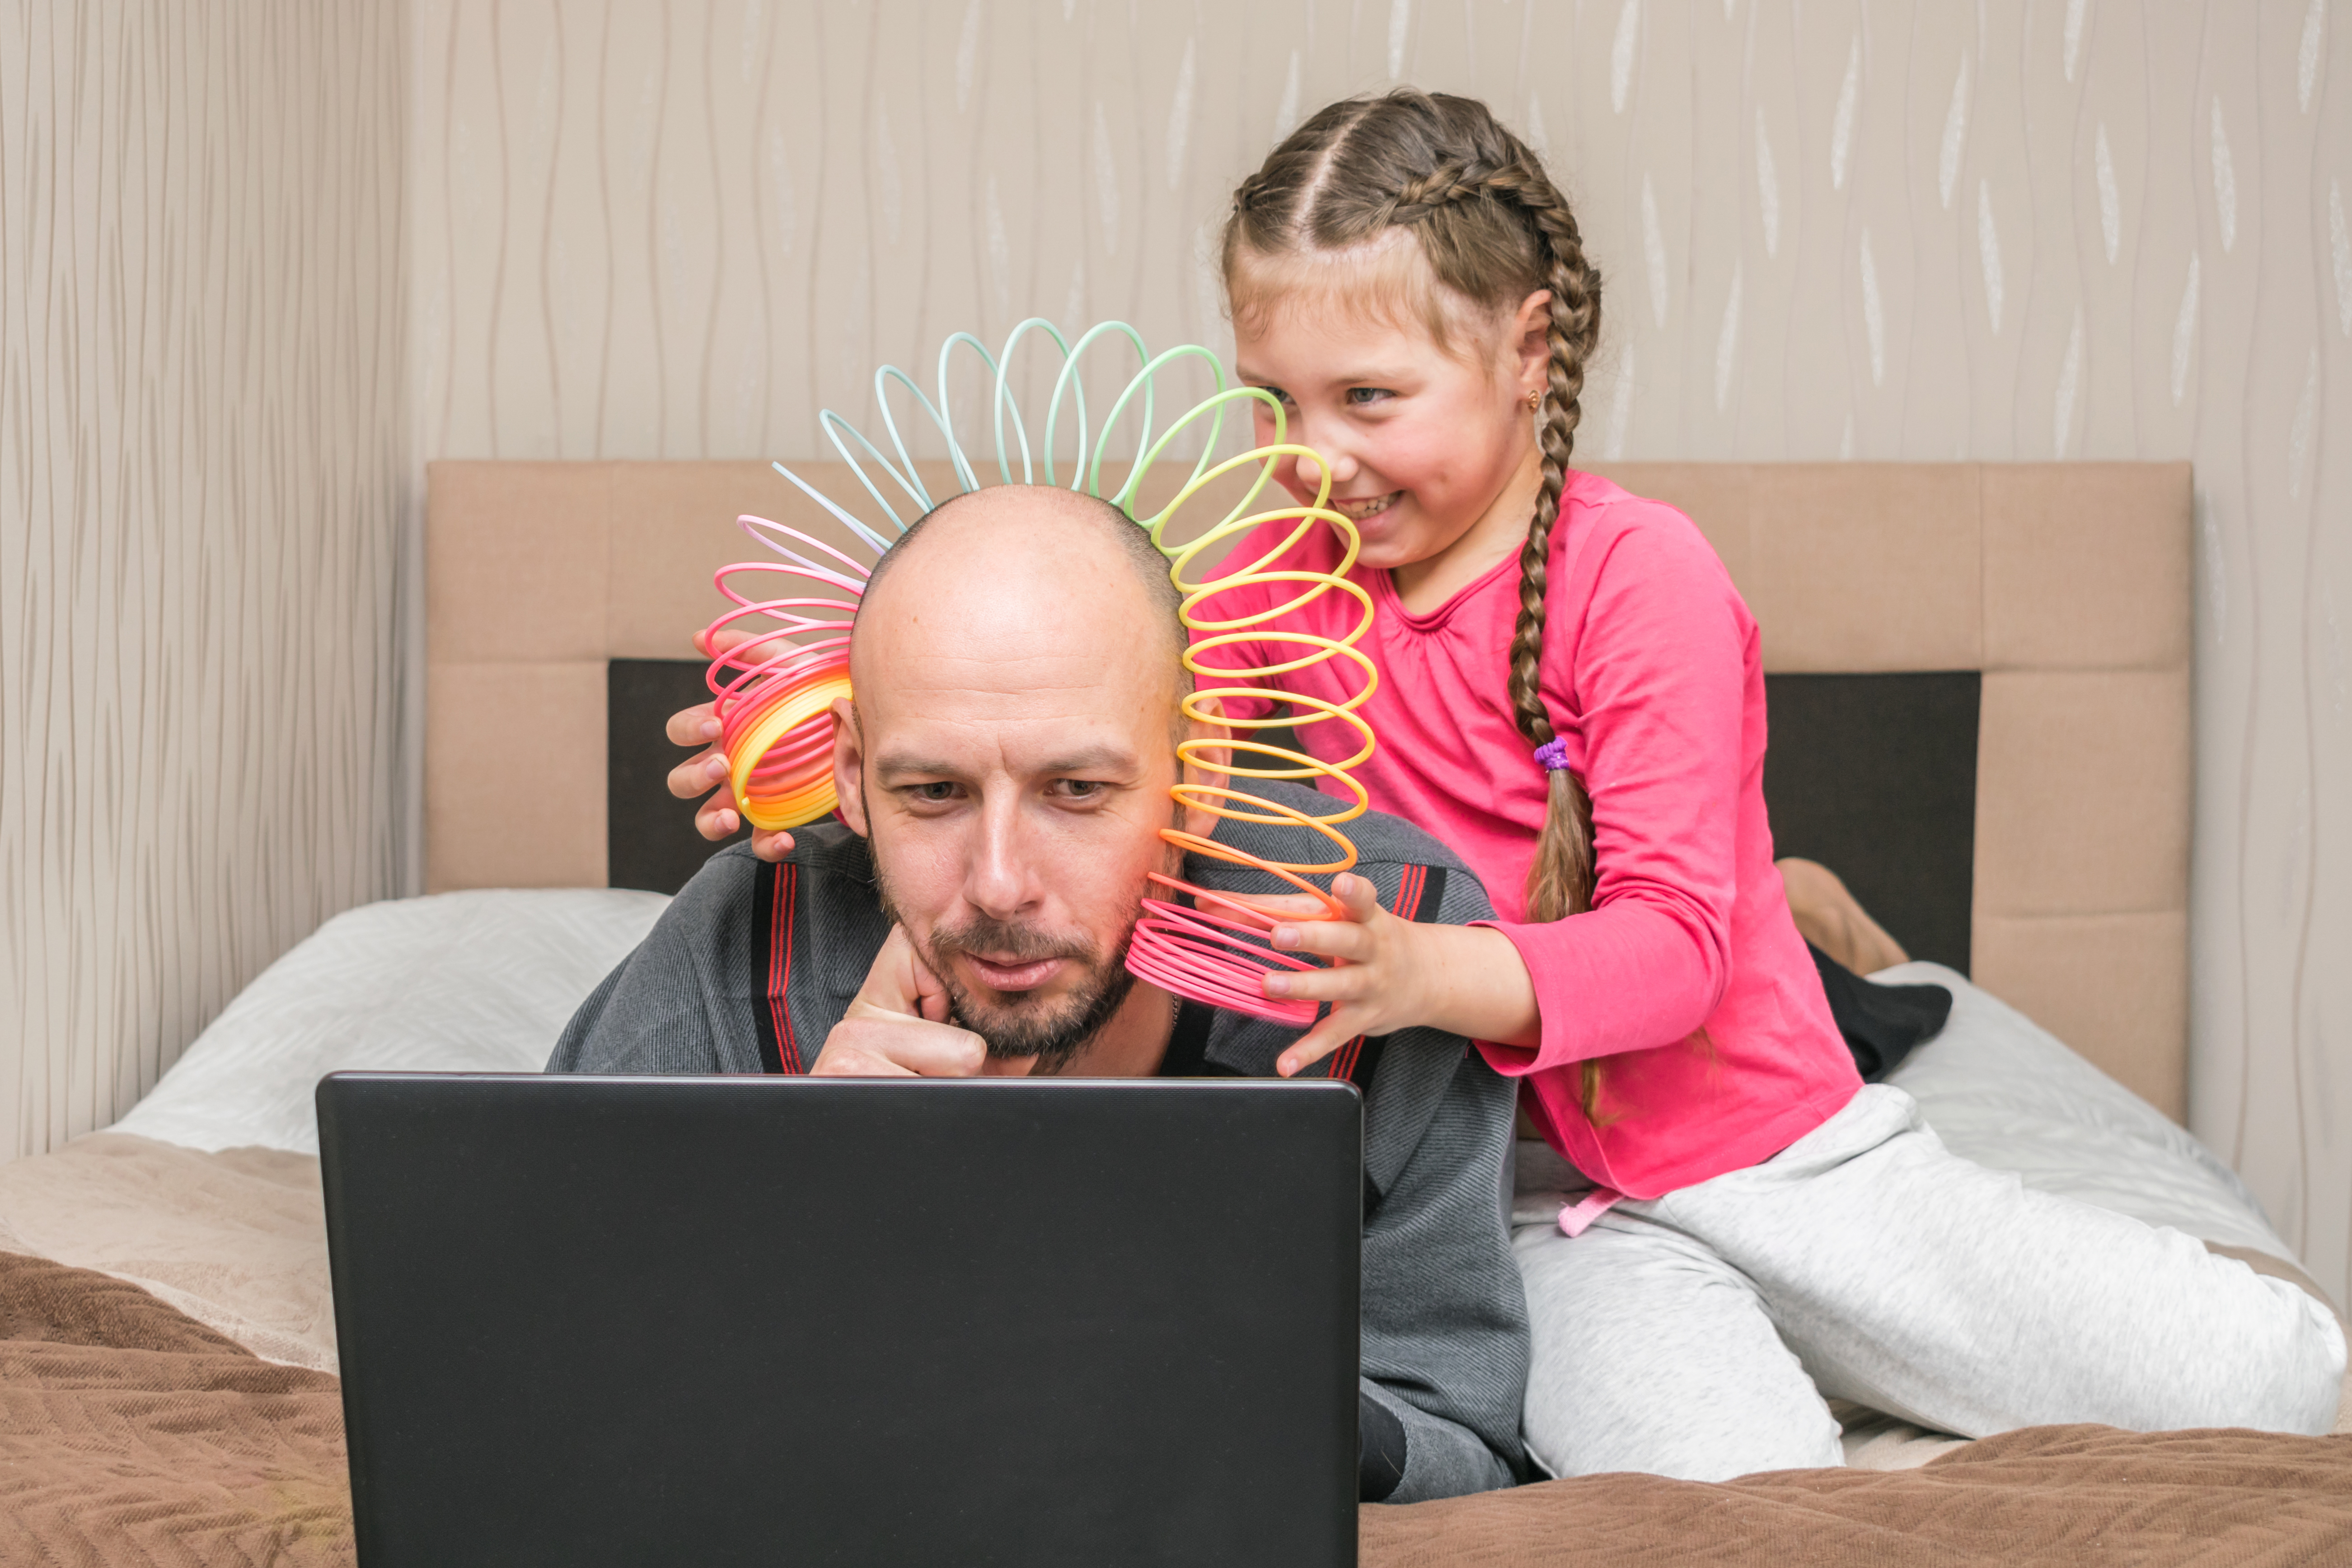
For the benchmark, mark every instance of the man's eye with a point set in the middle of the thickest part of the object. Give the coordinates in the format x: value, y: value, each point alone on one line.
x: 1081, y: 789
x: 936, y: 791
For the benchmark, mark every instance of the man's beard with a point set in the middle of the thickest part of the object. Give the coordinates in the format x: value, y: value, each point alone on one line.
x: 1026, y: 1024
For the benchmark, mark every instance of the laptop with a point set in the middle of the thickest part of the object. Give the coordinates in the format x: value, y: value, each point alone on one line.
x: 713, y: 1320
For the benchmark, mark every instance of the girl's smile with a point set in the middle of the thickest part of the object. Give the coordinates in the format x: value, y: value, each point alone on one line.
x: 1363, y: 510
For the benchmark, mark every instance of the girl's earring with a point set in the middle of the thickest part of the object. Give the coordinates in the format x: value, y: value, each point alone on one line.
x: 1535, y: 400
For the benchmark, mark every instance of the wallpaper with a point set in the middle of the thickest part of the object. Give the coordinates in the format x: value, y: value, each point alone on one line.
x: 2006, y: 229
x: 201, y: 457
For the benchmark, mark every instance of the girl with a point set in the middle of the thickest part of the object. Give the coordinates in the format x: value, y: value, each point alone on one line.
x: 1572, y: 697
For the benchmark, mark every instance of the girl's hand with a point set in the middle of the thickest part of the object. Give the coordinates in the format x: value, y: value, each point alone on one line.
x: 1397, y: 974
x: 706, y: 773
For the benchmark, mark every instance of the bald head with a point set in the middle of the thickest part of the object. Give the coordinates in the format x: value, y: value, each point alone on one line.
x: 1035, y: 559
x: 984, y: 531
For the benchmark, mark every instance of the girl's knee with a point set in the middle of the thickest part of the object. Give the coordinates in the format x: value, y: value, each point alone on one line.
x: 2294, y: 1375
x: 2322, y: 1405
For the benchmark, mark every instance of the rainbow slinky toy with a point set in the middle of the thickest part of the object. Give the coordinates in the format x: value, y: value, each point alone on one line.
x: 774, y: 695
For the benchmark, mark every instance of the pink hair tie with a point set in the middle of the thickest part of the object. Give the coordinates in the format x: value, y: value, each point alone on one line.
x: 1553, y: 753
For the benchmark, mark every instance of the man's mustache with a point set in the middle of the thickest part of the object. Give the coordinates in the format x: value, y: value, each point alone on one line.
x: 1009, y: 941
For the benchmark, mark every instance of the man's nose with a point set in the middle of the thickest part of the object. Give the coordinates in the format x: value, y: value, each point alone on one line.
x: 1003, y: 880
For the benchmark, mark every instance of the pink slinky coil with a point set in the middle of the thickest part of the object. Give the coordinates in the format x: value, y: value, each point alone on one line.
x: 1219, y: 959
x: 773, y: 696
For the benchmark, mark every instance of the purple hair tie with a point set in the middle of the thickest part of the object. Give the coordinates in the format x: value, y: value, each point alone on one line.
x: 1553, y: 753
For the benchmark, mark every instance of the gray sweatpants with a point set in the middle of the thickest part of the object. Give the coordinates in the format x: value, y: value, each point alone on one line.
x: 1698, y: 1334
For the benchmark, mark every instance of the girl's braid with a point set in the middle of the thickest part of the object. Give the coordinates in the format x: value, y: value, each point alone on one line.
x: 1560, y: 880
x: 1560, y: 884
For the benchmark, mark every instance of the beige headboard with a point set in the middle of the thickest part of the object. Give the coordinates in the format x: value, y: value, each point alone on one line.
x: 2067, y: 584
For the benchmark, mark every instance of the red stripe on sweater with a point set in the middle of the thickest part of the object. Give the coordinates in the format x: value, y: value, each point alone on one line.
x: 780, y: 966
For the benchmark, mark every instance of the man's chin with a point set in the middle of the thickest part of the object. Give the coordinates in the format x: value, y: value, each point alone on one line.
x: 1021, y: 1024
x: 1052, y: 1023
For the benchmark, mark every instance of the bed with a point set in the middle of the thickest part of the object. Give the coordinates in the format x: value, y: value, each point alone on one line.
x: 1979, y: 695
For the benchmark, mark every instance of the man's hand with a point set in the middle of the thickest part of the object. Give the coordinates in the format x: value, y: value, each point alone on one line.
x: 1395, y: 975
x: 699, y: 726
x: 897, y: 1026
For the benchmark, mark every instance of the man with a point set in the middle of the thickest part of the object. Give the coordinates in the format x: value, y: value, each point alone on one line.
x: 1003, y: 774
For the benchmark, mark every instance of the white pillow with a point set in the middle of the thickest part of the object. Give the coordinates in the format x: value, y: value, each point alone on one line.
x: 2002, y: 1091
x: 478, y: 982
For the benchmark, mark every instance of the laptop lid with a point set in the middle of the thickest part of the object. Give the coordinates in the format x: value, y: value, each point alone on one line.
x: 589, y: 1320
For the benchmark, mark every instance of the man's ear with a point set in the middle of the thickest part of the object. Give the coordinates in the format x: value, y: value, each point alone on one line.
x: 849, y: 765
x: 1191, y: 819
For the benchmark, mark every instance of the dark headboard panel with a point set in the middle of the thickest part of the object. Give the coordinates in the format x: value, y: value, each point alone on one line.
x: 1876, y: 777
x: 649, y: 836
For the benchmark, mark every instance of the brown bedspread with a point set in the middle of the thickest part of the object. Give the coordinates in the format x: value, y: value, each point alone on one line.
x: 130, y: 1433
x: 2044, y: 1495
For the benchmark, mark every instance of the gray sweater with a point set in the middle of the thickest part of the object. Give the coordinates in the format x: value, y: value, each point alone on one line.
x: 752, y: 964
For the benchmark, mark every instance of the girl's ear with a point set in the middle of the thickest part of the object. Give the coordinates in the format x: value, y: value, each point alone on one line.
x: 1531, y: 341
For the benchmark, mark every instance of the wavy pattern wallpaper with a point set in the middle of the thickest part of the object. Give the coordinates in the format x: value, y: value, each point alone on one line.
x: 201, y: 456
x: 2010, y: 229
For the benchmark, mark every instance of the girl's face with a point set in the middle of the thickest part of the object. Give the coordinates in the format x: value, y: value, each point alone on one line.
x: 1429, y: 448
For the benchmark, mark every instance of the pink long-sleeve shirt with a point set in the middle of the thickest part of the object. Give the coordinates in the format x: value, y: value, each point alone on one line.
x: 1686, y: 979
